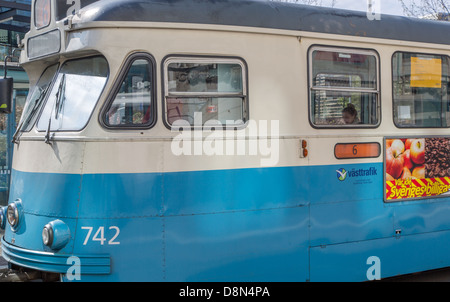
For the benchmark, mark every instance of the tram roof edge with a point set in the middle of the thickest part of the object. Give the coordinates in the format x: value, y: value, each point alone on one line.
x: 269, y: 14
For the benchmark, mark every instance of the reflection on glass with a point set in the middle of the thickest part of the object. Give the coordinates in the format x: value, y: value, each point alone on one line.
x: 74, y: 94
x: 203, y: 91
x: 190, y: 77
x: 42, y: 13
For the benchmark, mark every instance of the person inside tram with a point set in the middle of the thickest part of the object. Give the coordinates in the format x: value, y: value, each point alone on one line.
x: 350, y: 114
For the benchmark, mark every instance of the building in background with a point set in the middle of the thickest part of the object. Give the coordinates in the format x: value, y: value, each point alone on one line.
x: 14, y: 23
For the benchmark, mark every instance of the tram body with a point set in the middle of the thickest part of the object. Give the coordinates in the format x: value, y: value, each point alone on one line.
x: 97, y: 196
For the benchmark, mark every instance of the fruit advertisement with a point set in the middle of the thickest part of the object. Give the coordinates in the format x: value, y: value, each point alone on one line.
x: 417, y: 167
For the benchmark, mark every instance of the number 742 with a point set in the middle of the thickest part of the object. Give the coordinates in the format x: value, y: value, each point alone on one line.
x: 99, y: 235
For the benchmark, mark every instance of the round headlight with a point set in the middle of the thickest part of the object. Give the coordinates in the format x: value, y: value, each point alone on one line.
x: 12, y: 214
x: 47, y: 235
x: 55, y: 234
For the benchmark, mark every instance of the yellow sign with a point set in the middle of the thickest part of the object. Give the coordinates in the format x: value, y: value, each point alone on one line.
x: 426, y: 72
x: 412, y: 188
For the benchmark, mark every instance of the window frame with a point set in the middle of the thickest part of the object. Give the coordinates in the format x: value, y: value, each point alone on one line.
x: 126, y: 66
x: 206, y: 59
x: 393, y: 90
x: 376, y: 91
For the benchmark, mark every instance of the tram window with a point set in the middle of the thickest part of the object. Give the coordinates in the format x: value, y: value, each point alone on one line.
x: 421, y: 90
x: 36, y: 99
x: 42, y: 13
x: 132, y: 106
x: 74, y: 94
x: 200, y: 90
x: 343, y: 82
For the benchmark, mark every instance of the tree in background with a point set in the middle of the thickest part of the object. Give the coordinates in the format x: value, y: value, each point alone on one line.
x: 428, y: 9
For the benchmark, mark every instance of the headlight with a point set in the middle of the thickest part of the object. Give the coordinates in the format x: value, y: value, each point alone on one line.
x: 12, y: 214
x: 47, y: 235
x: 55, y: 234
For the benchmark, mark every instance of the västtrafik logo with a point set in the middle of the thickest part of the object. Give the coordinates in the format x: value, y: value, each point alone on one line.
x: 341, y: 174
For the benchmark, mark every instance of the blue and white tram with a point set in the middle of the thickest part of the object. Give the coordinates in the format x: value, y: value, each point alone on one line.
x: 205, y: 141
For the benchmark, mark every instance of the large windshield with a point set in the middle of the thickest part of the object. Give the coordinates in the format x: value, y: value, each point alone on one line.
x: 36, y: 98
x: 74, y: 94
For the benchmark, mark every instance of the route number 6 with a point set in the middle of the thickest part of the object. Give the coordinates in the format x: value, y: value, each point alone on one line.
x: 100, y: 235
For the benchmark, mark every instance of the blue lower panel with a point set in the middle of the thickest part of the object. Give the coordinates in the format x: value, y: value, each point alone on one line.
x: 268, y: 245
x: 403, y: 255
x: 271, y: 224
x: 234, y: 190
x: 421, y: 216
x: 46, y: 194
x: 341, y: 222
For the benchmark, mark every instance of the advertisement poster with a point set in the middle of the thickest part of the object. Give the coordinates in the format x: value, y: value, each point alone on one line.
x: 417, y: 168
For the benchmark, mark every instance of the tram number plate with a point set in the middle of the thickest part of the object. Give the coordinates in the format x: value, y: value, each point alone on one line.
x: 99, y: 235
x: 357, y: 150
